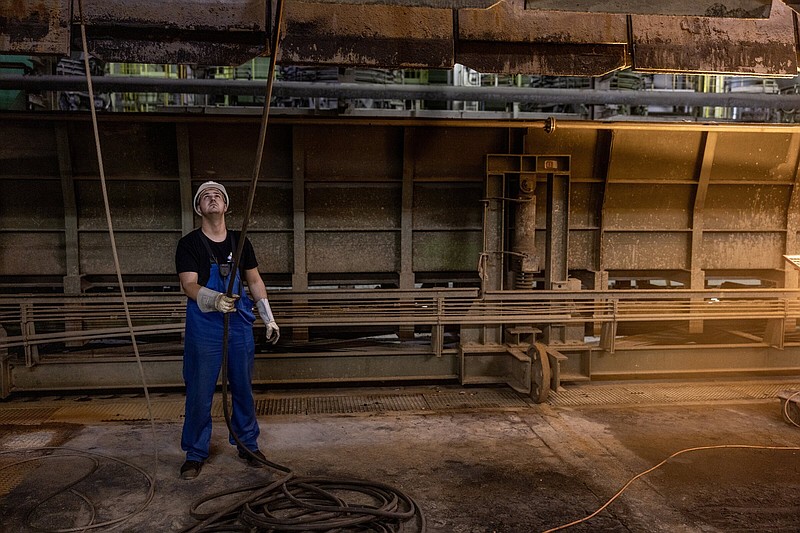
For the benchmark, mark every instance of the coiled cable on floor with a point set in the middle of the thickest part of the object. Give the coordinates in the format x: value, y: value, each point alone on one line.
x: 51, y: 453
x: 293, y: 503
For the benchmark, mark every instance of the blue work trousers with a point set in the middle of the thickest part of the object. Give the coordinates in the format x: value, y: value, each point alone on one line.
x: 202, y: 361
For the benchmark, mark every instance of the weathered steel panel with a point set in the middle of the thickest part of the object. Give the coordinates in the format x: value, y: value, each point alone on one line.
x: 338, y: 153
x: 439, y: 153
x: 580, y: 144
x: 655, y: 155
x: 272, y: 206
x: 274, y: 250
x: 352, y: 251
x: 34, y: 27
x: 696, y: 8
x: 584, y: 204
x: 372, y: 36
x: 648, y: 206
x: 227, y: 150
x: 746, y: 207
x: 511, y: 22
x: 141, y: 150
x: 448, y: 206
x: 136, y: 205
x: 352, y: 207
x: 28, y: 149
x: 646, y: 250
x: 446, y: 251
x: 741, y: 251
x: 37, y: 253
x: 754, y: 157
x: 582, y: 250
x: 695, y: 44
x: 139, y: 253
x: 29, y: 204
x: 508, y: 39
x: 206, y: 32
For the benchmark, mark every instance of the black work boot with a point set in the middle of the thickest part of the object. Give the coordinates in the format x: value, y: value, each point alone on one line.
x: 191, y: 469
x: 252, y: 461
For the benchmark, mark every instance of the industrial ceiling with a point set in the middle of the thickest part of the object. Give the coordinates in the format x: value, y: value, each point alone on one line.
x: 546, y: 37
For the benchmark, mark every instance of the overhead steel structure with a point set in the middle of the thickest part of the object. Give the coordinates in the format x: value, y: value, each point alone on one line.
x: 521, y: 252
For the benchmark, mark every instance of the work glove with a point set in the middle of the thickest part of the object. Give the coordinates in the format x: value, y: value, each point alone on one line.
x: 210, y: 300
x: 273, y: 331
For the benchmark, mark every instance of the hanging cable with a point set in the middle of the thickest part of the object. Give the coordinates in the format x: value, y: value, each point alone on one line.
x: 112, y: 239
x: 291, y: 503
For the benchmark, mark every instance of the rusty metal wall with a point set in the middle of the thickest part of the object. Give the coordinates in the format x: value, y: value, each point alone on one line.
x: 672, y: 201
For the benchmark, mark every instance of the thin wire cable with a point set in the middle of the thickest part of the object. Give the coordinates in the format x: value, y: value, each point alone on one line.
x: 113, y: 241
x: 73, y: 452
x: 786, y: 413
x: 662, y: 463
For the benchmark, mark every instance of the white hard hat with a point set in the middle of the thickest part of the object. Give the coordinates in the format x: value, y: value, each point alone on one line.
x: 209, y: 185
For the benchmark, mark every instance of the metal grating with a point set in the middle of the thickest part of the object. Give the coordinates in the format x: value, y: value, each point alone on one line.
x: 24, y: 441
x: 12, y: 476
x: 656, y: 394
x: 33, y: 416
x: 492, y: 399
x: 120, y: 412
x: 472, y: 399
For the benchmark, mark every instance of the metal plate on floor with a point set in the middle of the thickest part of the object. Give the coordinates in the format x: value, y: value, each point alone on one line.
x: 663, y: 394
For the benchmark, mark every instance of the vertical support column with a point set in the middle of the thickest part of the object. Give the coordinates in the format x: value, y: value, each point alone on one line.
x: 603, y: 151
x: 407, y: 214
x: 697, y: 274
x: 557, y: 241
x: 185, y: 177
x: 556, y: 248
x: 407, y: 228
x: 5, y: 368
x: 790, y: 275
x: 525, y: 233
x: 491, y: 261
x: 493, y: 233
x: 72, y: 279
x: 28, y: 330
x: 299, y: 271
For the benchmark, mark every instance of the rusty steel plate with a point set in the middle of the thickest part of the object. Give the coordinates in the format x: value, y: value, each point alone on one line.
x: 435, y: 4
x: 696, y: 8
x: 509, y: 39
x: 716, y: 46
x: 374, y: 36
x: 34, y: 27
x: 206, y: 32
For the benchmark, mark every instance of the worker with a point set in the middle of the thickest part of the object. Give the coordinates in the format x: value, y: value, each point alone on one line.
x: 204, y: 261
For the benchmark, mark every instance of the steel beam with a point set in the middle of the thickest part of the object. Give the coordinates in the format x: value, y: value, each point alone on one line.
x: 367, y: 36
x: 506, y: 38
x: 748, y: 9
x: 707, y: 45
x: 35, y: 27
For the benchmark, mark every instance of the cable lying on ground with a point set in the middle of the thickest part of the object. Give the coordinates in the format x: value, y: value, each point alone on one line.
x: 662, y: 463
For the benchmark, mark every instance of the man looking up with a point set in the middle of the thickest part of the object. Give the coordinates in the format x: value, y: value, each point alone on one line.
x: 204, y: 261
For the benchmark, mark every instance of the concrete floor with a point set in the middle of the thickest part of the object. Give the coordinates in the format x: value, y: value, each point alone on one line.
x: 474, y: 466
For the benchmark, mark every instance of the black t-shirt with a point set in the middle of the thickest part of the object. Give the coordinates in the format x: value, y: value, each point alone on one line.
x: 192, y: 255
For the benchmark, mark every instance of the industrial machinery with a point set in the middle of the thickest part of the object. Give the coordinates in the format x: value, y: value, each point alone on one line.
x: 526, y: 252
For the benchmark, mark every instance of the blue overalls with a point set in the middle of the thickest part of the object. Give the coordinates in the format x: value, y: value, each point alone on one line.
x: 202, y: 361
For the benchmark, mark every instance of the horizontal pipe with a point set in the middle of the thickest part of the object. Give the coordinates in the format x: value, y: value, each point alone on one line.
x: 287, y: 89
